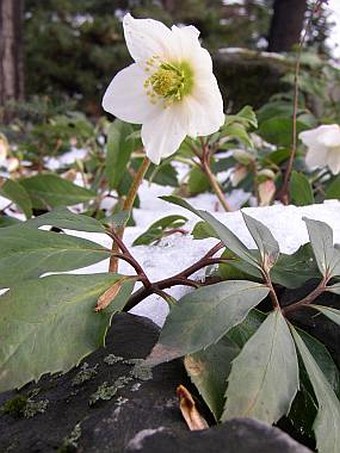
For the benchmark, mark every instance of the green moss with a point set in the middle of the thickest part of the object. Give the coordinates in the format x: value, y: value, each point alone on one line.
x: 35, y: 407
x: 112, y: 359
x: 85, y: 374
x: 15, y: 406
x: 103, y: 393
x: 24, y: 406
x: 70, y: 442
x: 142, y: 372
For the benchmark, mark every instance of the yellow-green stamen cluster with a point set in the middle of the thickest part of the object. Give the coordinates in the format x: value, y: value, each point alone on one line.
x: 170, y: 82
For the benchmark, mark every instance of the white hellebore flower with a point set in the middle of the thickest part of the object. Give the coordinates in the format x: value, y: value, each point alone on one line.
x: 323, y: 145
x: 170, y: 89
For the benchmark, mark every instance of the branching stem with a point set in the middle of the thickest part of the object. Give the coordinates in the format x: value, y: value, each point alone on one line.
x: 308, y: 299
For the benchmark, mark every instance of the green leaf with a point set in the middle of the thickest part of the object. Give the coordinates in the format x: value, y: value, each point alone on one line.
x: 198, y: 182
x: 300, y: 189
x: 327, y: 256
x: 6, y: 221
x: 279, y: 130
x: 160, y: 228
x: 49, y: 324
x: 265, y: 241
x: 163, y: 174
x: 28, y: 253
x: 117, y: 220
x: 202, y: 230
x: 204, y: 316
x: 15, y: 192
x: 327, y: 422
x: 333, y: 189
x: 238, y: 131
x: 63, y: 218
x: 226, y: 236
x: 49, y: 191
x: 296, y: 269
x: 331, y: 313
x: 120, y: 145
x: 264, y: 378
x: 209, y: 370
x: 323, y: 358
x: 246, y: 116
x: 236, y: 269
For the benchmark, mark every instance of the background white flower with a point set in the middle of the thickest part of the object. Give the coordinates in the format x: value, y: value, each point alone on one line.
x: 170, y: 89
x: 323, y: 145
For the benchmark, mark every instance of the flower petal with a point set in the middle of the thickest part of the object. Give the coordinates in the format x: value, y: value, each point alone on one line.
x: 189, y: 48
x: 126, y: 96
x: 331, y: 136
x: 333, y: 160
x: 204, y: 109
x: 146, y: 38
x: 316, y: 156
x: 163, y: 135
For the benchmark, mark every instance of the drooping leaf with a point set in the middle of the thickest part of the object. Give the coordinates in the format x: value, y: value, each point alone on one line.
x: 63, y: 218
x: 28, y: 253
x: 331, y: 313
x: 49, y: 191
x: 120, y: 144
x: 159, y: 228
x: 264, y: 378
x: 209, y: 370
x: 265, y: 241
x: 226, y: 236
x: 49, y: 324
x: 204, y: 316
x: 327, y: 422
x: 300, y: 189
x: 327, y: 256
x: 15, y: 192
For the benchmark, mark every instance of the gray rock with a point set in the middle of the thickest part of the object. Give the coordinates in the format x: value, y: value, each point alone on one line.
x: 110, y: 403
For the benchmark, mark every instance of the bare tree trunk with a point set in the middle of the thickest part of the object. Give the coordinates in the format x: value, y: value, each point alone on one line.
x: 286, y: 24
x: 11, y: 52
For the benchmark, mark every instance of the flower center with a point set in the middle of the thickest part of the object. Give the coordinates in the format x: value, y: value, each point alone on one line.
x: 171, y: 82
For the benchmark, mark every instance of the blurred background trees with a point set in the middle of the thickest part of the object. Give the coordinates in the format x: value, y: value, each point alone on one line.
x: 11, y: 51
x: 72, y: 48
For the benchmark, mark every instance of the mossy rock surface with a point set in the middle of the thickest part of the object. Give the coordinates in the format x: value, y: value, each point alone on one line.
x: 247, y: 77
x: 110, y: 403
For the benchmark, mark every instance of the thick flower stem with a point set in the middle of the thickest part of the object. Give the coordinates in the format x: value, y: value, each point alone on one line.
x: 127, y: 206
x: 205, y: 165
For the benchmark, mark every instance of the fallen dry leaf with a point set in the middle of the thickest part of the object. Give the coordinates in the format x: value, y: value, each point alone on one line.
x: 106, y: 298
x: 187, y: 405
